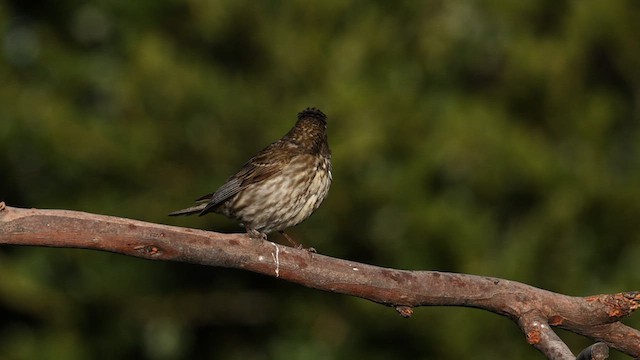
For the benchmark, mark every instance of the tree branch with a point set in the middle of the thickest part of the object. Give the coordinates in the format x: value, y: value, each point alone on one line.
x: 535, y: 310
x: 597, y: 351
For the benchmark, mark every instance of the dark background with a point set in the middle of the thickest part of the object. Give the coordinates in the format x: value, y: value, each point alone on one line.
x: 493, y: 138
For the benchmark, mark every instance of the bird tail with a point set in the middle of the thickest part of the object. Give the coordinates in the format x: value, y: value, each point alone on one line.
x: 190, y: 210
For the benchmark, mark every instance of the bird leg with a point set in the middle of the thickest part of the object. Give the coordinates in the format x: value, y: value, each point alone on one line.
x: 296, y: 244
x: 255, y: 234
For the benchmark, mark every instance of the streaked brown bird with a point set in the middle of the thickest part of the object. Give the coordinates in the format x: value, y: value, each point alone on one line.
x: 279, y: 187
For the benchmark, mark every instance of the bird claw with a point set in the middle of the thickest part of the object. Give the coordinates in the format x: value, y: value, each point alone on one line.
x: 309, y: 249
x: 257, y: 235
x: 297, y: 245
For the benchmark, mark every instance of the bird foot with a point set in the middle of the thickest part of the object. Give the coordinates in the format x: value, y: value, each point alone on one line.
x: 257, y: 235
x: 297, y: 245
x: 309, y: 249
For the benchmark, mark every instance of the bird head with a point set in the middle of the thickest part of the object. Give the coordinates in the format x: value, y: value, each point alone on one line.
x: 309, y: 131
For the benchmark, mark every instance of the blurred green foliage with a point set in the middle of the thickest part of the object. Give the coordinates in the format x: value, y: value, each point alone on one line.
x: 493, y: 138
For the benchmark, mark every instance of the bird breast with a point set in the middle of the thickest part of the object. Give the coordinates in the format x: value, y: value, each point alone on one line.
x: 285, y: 199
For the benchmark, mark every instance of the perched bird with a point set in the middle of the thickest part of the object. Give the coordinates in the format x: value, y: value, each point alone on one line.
x: 279, y: 187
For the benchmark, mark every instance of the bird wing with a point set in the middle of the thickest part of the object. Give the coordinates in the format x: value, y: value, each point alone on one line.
x: 265, y: 164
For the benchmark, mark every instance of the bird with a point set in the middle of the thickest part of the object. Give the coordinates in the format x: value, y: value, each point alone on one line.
x: 281, y: 186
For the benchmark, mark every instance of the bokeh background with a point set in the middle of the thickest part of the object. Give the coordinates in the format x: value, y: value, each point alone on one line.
x: 494, y: 138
